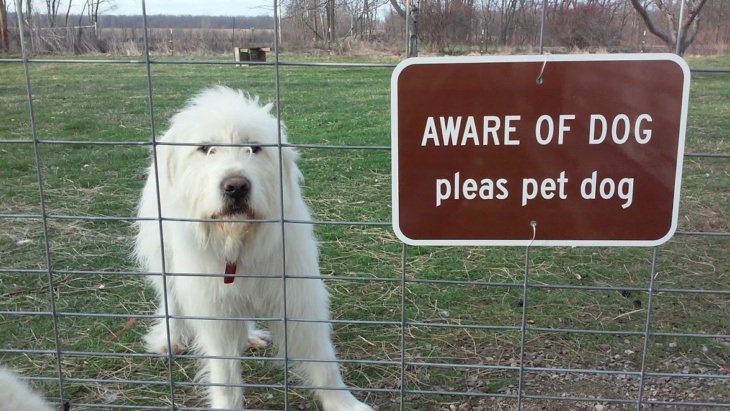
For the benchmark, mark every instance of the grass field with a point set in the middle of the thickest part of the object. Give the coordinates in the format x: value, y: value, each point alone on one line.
x: 349, y: 106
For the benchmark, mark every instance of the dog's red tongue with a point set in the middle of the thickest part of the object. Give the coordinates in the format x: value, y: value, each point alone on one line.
x: 230, y: 273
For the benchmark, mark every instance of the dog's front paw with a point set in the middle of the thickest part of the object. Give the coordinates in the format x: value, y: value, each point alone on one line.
x: 156, y: 341
x: 358, y: 406
x: 343, y: 401
x: 258, y: 339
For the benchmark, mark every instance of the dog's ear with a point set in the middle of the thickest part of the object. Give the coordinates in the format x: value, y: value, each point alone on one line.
x: 290, y: 170
x: 165, y: 164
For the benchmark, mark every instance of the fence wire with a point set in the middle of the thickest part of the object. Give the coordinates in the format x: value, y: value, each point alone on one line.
x: 401, y: 391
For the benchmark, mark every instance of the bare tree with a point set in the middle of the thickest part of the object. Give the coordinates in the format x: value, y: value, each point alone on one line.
x: 4, y: 26
x: 397, y: 7
x: 305, y: 18
x: 688, y: 27
x: 589, y: 23
x: 486, y: 21
x: 361, y: 15
x: 52, y: 7
x: 715, y: 28
x: 68, y: 13
x: 95, y: 7
x: 507, y: 14
x: 445, y: 23
x: 329, y: 7
x: 28, y: 21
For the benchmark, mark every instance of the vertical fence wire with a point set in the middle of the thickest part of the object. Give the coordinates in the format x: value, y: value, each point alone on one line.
x: 42, y: 200
x: 523, y: 324
x: 403, y: 328
x: 647, y: 330
x: 163, y: 266
x: 407, y: 30
x: 542, y: 26
x: 523, y: 328
x: 678, y: 43
x: 277, y: 85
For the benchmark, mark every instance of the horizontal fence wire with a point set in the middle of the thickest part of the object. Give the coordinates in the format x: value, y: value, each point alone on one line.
x: 253, y: 63
x: 400, y: 319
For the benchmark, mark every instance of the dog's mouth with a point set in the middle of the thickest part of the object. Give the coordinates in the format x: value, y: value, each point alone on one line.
x: 235, y: 209
x: 227, y: 224
x: 232, y: 214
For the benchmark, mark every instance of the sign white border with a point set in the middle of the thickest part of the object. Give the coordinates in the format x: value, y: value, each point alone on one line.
x: 531, y: 59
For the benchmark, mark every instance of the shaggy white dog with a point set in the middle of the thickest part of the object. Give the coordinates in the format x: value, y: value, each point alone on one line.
x: 16, y: 396
x: 206, y: 180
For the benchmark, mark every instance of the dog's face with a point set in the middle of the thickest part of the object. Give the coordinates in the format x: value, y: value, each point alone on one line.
x: 211, y: 180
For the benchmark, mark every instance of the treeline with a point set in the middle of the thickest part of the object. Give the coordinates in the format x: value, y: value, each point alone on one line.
x: 582, y: 24
x: 438, y: 26
x: 166, y: 21
x: 124, y: 35
x: 456, y: 26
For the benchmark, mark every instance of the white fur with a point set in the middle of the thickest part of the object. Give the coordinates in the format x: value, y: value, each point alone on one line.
x: 190, y: 187
x: 16, y: 396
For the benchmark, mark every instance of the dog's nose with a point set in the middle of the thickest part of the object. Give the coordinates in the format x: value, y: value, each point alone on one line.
x: 236, y: 187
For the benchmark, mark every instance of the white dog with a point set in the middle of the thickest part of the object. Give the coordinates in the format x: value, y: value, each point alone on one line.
x: 16, y: 396
x: 208, y: 180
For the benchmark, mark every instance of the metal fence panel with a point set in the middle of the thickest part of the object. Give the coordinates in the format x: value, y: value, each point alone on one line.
x: 400, y: 391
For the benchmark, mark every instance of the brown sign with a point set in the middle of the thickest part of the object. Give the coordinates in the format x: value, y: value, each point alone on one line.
x: 589, y: 148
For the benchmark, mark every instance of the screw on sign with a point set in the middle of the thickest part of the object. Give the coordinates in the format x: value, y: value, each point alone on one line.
x: 589, y: 147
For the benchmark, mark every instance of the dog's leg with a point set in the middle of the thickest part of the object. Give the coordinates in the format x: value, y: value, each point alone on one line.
x: 221, y: 338
x: 156, y: 338
x: 15, y: 395
x: 308, y: 299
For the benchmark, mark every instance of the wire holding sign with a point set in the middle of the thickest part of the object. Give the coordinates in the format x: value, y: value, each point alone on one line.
x: 539, y: 78
x: 533, y: 224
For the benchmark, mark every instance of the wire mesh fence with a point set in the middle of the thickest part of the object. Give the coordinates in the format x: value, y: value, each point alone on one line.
x: 416, y: 327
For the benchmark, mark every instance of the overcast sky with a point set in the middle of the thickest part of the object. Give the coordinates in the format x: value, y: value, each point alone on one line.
x: 192, y: 7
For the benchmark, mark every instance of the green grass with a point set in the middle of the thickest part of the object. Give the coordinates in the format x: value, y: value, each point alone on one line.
x: 325, y: 105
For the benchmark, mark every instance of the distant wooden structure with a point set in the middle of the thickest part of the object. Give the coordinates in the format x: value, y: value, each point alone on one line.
x: 250, y: 54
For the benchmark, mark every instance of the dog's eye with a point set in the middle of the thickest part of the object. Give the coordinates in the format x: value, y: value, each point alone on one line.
x: 255, y: 149
x: 206, y: 149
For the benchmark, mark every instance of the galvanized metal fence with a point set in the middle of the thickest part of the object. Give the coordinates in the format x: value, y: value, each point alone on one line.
x: 527, y: 287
